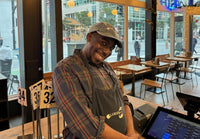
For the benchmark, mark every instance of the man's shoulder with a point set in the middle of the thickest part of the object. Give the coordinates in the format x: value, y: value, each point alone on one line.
x: 70, y: 60
x: 107, y: 64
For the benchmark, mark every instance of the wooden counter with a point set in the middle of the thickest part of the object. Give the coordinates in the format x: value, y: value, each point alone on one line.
x: 13, y: 133
x: 137, y: 102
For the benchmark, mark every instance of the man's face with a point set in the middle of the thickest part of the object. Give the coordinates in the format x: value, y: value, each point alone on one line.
x: 98, y: 47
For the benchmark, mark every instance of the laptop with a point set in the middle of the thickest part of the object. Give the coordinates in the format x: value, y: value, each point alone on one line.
x: 168, y: 124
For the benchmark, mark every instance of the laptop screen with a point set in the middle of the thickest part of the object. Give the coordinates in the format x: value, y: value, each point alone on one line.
x: 167, y: 124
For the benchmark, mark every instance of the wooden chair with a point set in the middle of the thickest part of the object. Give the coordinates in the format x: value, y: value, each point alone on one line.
x: 195, y: 67
x: 47, y: 76
x: 162, y: 58
x: 169, y: 77
x: 137, y: 61
x: 191, y: 69
x: 155, y: 84
x: 124, y: 91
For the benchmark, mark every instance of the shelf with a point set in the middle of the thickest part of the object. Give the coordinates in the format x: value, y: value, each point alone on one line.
x: 3, y: 100
x: 4, y: 121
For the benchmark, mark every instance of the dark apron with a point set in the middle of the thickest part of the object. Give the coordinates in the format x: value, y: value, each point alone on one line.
x: 109, y: 103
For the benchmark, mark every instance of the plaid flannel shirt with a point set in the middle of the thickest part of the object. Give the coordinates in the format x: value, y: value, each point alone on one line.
x: 72, y: 85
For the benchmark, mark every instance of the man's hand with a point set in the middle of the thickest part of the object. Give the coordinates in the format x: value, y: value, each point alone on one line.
x: 110, y: 133
x: 134, y: 136
x: 131, y: 133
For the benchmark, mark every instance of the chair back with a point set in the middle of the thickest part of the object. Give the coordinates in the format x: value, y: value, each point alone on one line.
x: 188, y: 54
x: 5, y: 67
x: 195, y: 61
x: 166, y: 74
x: 47, y: 76
x: 170, y: 70
x: 135, y: 60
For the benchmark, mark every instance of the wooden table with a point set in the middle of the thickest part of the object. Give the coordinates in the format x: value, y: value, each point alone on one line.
x: 196, y: 58
x: 134, y: 69
x: 151, y: 64
x: 177, y: 60
x: 192, y: 57
x: 119, y: 73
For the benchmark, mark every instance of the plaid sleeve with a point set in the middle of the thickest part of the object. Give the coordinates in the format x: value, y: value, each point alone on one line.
x: 79, y: 118
x: 125, y: 99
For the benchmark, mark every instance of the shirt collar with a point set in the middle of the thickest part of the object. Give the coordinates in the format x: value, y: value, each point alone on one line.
x: 85, y: 60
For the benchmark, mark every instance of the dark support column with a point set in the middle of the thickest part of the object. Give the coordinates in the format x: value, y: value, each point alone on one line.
x: 13, y: 23
x: 190, y: 2
x: 150, y: 29
x: 190, y: 32
x: 190, y: 35
x: 30, y: 46
x: 56, y: 31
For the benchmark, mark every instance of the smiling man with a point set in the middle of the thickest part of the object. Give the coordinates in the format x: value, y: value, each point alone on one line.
x: 88, y: 93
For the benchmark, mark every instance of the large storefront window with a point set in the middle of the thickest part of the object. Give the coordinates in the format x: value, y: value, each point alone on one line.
x: 196, y: 35
x: 136, y: 32
x: 163, y: 33
x: 9, y: 50
x: 46, y: 41
x: 178, y: 47
x: 78, y: 19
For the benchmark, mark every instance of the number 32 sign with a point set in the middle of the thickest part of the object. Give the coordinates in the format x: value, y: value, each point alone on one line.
x: 47, y: 99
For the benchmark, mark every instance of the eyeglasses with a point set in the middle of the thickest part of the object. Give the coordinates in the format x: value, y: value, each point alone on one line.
x: 105, y: 43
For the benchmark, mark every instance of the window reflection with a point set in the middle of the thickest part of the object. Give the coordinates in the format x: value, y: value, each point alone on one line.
x: 136, y: 32
x: 9, y: 49
x: 46, y: 45
x: 163, y: 33
x: 178, y: 47
x: 196, y: 35
x: 78, y: 19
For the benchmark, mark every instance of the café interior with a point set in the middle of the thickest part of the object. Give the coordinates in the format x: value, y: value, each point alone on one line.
x: 155, y: 77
